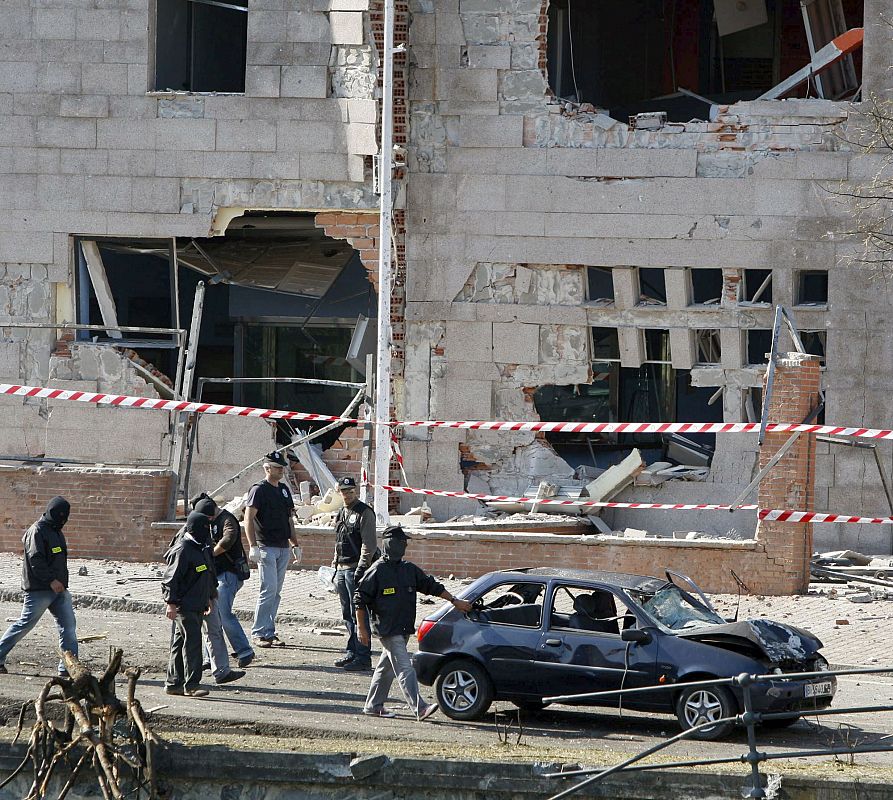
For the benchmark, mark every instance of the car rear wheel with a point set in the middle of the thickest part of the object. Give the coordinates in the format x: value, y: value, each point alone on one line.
x: 464, y: 690
x: 699, y: 704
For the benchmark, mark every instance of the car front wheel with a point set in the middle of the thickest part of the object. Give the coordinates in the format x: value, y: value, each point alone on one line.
x: 464, y: 690
x: 699, y: 704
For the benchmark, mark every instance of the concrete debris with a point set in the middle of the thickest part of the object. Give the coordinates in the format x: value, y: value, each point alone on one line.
x: 616, y: 478
x: 860, y: 597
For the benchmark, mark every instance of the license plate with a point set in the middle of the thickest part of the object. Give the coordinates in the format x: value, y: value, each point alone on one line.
x: 817, y: 689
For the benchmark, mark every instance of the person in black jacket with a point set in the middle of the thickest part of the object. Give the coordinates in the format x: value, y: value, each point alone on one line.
x: 231, y: 567
x: 45, y: 583
x: 387, y: 593
x: 188, y: 587
x: 355, y: 547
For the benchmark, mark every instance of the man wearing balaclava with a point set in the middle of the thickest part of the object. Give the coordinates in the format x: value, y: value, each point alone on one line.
x: 387, y: 593
x: 187, y: 587
x: 45, y: 583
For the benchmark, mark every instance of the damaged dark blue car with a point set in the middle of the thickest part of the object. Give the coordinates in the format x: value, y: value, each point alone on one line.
x: 540, y: 632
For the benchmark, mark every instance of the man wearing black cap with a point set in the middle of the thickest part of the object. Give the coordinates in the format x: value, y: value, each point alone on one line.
x: 188, y: 587
x: 388, y: 593
x: 270, y: 529
x: 355, y: 547
x: 45, y: 583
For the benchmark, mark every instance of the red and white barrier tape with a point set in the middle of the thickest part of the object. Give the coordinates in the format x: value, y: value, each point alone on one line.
x: 127, y: 401
x: 770, y: 514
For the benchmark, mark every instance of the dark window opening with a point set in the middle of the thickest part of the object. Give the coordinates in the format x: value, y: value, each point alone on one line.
x: 812, y: 287
x: 657, y: 345
x: 757, y: 286
x: 709, y: 347
x: 601, y: 285
x: 706, y: 286
x: 200, y: 46
x: 753, y: 404
x: 650, y: 393
x: 814, y: 343
x: 759, y: 343
x: 652, y: 286
x: 605, y: 344
x: 282, y: 299
x: 679, y: 57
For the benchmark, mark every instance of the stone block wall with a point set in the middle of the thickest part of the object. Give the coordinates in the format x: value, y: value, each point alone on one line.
x: 112, y: 510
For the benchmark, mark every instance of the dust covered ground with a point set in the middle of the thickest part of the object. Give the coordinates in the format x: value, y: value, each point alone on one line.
x: 292, y: 698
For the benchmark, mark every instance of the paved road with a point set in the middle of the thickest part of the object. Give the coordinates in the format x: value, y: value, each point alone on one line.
x: 296, y: 698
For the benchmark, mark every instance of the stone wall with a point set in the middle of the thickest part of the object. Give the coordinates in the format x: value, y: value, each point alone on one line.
x: 112, y: 510
x: 512, y: 196
x: 89, y: 146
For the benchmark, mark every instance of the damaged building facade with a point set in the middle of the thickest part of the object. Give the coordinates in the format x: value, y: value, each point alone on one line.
x: 595, y: 219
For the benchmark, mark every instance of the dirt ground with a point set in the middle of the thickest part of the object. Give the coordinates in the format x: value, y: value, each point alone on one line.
x: 292, y: 698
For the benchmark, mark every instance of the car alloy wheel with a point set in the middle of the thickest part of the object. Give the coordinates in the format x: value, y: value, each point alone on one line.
x: 701, y: 704
x: 464, y: 690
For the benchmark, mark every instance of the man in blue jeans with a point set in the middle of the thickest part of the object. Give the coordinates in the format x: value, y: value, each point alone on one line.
x: 355, y: 550
x: 231, y: 566
x: 270, y: 529
x: 45, y: 583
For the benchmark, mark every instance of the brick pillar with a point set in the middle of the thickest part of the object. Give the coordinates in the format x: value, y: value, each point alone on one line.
x: 790, y: 483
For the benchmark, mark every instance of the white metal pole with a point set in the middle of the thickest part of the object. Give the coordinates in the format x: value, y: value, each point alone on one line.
x: 383, y: 371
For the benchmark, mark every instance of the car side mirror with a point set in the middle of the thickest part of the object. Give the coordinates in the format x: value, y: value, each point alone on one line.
x: 635, y: 635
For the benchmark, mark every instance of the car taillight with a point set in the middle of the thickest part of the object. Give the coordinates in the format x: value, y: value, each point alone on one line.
x: 424, y: 627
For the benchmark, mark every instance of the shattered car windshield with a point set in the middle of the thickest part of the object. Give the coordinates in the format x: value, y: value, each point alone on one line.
x: 677, y: 609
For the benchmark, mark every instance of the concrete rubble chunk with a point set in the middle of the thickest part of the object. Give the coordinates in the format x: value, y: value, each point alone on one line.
x: 616, y: 478
x: 363, y: 767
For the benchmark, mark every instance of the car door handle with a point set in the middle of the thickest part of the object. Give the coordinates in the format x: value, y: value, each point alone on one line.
x: 553, y: 642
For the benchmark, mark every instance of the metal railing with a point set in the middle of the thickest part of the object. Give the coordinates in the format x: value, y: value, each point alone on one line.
x: 748, y: 719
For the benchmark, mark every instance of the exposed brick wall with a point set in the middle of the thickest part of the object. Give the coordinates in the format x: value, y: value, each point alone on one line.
x: 344, y: 457
x: 360, y: 230
x: 465, y: 554
x: 111, y: 510
x: 791, y: 482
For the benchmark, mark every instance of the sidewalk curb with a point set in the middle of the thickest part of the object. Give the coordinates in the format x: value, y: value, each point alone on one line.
x: 150, y: 607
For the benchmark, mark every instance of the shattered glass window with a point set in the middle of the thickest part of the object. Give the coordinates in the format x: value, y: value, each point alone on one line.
x: 679, y: 610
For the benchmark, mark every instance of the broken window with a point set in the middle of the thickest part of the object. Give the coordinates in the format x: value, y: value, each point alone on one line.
x: 282, y: 299
x: 657, y: 345
x: 812, y: 287
x: 706, y: 286
x: 759, y: 343
x: 753, y: 404
x: 709, y: 348
x: 200, y: 45
x: 814, y: 343
x: 678, y: 58
x: 605, y: 344
x: 756, y: 286
x: 601, y: 285
x: 652, y: 287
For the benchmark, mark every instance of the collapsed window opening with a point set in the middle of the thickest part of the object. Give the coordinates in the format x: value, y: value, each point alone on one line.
x: 709, y: 348
x: 652, y: 287
x: 282, y: 299
x: 759, y: 343
x: 677, y: 57
x: 812, y: 287
x: 756, y: 286
x: 601, y: 285
x: 814, y: 343
x: 706, y: 286
x: 200, y: 45
x: 650, y: 393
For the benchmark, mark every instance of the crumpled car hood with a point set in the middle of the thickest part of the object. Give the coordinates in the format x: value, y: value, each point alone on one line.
x: 781, y: 643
